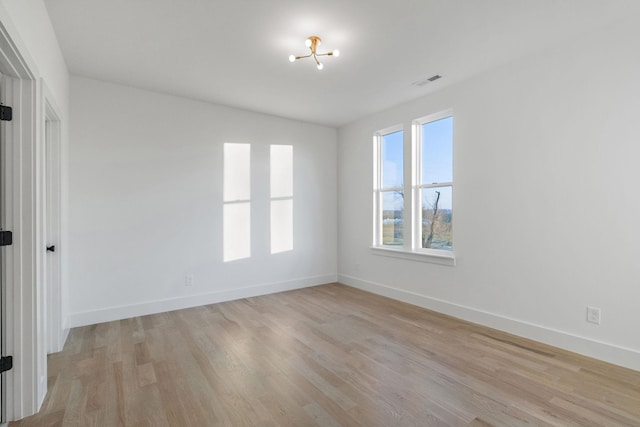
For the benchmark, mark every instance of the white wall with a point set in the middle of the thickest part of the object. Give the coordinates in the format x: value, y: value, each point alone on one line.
x: 546, y: 203
x: 146, y: 203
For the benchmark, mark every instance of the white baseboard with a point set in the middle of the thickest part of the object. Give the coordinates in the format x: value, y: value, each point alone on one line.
x: 158, y: 306
x: 607, y: 352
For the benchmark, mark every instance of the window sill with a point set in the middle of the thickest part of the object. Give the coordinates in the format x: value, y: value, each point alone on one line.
x: 433, y: 257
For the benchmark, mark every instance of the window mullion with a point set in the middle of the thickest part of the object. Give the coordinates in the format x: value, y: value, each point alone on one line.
x: 377, y: 195
x: 437, y: 184
x: 416, y: 163
x: 408, y: 189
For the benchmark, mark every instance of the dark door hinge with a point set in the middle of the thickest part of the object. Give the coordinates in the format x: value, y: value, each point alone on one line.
x: 6, y: 113
x: 6, y: 363
x: 6, y: 238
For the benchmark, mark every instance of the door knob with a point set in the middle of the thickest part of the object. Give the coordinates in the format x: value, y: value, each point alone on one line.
x: 51, y: 248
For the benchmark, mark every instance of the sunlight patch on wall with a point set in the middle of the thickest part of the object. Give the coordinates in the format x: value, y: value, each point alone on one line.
x: 281, y: 225
x: 237, y: 172
x: 237, y: 231
x: 281, y: 184
x: 237, y: 202
x: 281, y: 171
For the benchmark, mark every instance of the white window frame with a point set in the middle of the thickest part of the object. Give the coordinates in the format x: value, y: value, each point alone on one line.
x: 418, y: 185
x: 378, y: 191
x: 412, y: 227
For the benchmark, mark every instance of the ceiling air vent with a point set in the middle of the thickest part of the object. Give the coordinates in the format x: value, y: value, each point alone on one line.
x: 423, y: 82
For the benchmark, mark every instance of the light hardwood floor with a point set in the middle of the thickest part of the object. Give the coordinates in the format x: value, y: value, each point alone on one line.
x: 324, y: 356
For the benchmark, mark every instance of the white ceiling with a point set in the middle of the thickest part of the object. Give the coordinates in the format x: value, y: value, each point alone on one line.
x: 234, y: 52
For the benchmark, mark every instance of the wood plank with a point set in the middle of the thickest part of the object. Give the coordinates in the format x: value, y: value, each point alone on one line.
x: 324, y: 356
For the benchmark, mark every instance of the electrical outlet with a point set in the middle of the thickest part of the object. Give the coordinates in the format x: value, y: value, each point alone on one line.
x: 188, y: 280
x: 593, y: 315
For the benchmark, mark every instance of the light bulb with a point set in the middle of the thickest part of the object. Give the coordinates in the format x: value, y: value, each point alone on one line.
x: 292, y: 58
x: 307, y: 42
x: 320, y: 66
x: 336, y: 52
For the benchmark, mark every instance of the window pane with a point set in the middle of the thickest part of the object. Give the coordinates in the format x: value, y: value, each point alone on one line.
x: 237, y: 231
x: 281, y: 225
x: 437, y: 151
x: 436, y: 218
x: 393, y: 160
x: 281, y: 170
x: 392, y: 218
x: 237, y: 172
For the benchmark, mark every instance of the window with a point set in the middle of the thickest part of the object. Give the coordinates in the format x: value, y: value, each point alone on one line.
x: 416, y: 217
x: 389, y: 187
x: 434, y: 187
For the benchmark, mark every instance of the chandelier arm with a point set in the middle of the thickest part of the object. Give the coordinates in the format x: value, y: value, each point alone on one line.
x: 312, y: 43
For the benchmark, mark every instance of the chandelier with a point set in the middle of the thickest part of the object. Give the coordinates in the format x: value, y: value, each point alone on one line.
x: 312, y: 43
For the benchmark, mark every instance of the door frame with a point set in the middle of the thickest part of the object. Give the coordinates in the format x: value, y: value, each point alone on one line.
x: 21, y: 190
